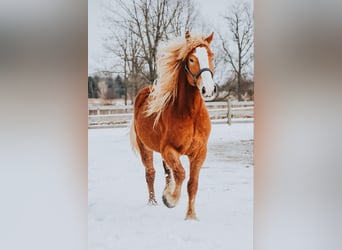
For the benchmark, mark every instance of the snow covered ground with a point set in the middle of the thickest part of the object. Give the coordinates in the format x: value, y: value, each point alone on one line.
x: 118, y: 214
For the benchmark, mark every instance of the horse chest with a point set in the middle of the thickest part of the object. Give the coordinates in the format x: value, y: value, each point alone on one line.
x: 187, y: 136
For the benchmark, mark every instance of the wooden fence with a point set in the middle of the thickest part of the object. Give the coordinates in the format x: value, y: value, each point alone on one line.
x: 115, y: 116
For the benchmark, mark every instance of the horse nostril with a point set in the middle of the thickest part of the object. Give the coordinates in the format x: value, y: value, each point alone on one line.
x: 215, y: 88
x: 203, y: 90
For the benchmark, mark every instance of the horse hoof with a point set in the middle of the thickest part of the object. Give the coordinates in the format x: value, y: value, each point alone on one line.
x: 192, y: 217
x: 166, y: 203
x: 152, y: 202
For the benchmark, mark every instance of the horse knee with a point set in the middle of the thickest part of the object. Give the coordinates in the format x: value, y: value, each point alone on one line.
x: 179, y: 174
x: 171, y: 157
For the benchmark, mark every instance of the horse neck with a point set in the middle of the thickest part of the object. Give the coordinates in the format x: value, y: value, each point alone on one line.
x: 188, y: 97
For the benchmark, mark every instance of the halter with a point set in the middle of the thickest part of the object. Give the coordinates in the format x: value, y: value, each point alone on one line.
x: 195, y: 76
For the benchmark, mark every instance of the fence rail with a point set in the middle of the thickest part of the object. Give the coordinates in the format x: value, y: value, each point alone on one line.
x: 111, y: 115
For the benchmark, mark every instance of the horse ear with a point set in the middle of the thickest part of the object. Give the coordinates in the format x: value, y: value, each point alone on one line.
x: 210, y: 38
x: 187, y: 35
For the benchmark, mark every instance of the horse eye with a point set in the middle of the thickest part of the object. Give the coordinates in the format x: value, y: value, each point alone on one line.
x: 191, y: 60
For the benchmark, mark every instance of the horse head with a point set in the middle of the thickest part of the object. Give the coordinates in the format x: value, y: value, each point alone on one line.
x: 199, y: 67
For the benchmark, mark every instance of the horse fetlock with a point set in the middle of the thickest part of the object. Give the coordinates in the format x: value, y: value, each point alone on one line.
x: 169, y: 186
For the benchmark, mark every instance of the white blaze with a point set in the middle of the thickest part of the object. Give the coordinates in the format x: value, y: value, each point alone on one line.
x: 207, y: 80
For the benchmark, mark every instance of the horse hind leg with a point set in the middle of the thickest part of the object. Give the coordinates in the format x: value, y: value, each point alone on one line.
x: 147, y: 160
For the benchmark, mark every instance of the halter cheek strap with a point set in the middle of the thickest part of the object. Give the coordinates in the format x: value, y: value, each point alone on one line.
x: 195, y: 76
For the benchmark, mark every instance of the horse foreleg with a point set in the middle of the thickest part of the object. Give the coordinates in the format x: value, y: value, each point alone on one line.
x: 175, y: 178
x: 195, y: 167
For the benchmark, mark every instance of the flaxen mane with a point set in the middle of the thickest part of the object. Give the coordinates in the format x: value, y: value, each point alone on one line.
x: 169, y: 63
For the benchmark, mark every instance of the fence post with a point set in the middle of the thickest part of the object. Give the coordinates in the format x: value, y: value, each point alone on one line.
x: 229, y: 118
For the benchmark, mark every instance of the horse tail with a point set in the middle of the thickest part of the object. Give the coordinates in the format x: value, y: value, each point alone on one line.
x: 133, y: 138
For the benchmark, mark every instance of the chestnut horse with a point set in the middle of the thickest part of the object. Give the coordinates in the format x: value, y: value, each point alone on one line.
x: 171, y: 117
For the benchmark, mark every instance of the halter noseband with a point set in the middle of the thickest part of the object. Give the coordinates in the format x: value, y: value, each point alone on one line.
x: 195, y: 76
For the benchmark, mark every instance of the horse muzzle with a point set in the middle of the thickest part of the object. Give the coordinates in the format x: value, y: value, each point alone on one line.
x: 209, y: 94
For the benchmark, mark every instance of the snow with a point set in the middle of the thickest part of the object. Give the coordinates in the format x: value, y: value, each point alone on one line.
x: 118, y: 214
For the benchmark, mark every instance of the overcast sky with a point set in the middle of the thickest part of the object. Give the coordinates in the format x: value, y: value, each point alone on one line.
x: 210, y: 11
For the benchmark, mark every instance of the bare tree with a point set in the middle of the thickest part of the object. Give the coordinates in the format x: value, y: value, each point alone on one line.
x: 239, y: 53
x: 122, y: 45
x: 136, y: 28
